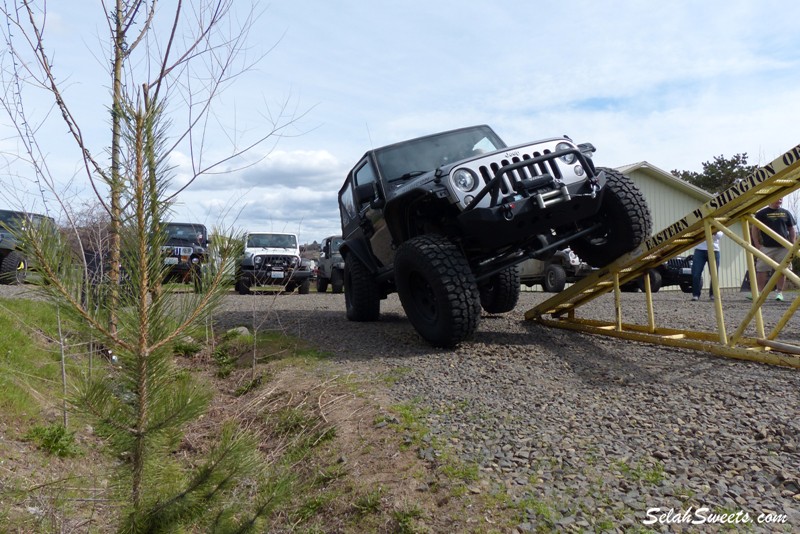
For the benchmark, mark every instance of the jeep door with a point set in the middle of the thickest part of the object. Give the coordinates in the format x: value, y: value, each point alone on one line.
x: 367, y: 210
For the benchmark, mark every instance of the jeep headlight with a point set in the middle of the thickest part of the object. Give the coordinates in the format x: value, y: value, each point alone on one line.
x: 464, y: 180
x: 569, y: 159
x: 258, y: 260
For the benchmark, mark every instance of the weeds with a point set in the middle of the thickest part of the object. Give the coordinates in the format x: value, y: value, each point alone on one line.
x: 54, y: 439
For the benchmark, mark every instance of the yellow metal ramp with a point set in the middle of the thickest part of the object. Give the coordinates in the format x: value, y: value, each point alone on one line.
x: 732, y: 212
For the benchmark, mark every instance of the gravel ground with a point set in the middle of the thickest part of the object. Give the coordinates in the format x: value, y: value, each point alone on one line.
x: 590, y: 432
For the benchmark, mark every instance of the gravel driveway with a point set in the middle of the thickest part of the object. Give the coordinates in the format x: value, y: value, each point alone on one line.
x: 592, y: 431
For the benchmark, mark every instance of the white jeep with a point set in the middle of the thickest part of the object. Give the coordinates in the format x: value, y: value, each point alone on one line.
x: 272, y: 258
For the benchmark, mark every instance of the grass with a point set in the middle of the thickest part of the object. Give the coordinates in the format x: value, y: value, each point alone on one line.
x: 30, y: 367
x: 641, y: 472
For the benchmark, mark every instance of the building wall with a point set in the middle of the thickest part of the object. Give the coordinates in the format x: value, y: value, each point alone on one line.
x: 668, y: 203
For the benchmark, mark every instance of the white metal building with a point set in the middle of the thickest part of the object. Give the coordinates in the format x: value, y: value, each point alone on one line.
x: 671, y: 198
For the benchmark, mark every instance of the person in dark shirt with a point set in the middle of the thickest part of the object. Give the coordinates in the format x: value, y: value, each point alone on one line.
x: 782, y: 222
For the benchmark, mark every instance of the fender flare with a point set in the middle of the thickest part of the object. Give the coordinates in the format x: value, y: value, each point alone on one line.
x: 360, y: 250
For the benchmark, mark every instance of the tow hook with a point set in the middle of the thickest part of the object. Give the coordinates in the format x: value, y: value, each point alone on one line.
x: 507, y: 211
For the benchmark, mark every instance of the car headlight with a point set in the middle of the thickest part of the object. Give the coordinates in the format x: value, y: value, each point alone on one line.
x: 258, y: 260
x: 464, y: 180
x: 569, y: 159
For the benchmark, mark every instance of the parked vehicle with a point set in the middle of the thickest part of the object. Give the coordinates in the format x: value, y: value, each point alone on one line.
x: 185, y: 252
x: 14, y: 265
x: 445, y: 220
x: 331, y: 265
x: 272, y: 259
x: 554, y: 273
x: 674, y: 272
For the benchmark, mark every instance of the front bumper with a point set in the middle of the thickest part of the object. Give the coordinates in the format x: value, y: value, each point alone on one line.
x: 518, y: 218
x: 274, y: 277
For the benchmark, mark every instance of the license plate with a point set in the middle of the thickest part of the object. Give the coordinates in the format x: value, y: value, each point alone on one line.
x: 277, y: 274
x: 170, y: 261
x: 686, y: 270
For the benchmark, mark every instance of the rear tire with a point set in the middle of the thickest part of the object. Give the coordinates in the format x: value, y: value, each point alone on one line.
x: 625, y: 222
x: 337, y: 281
x: 555, y: 278
x: 437, y: 289
x: 500, y: 293
x: 362, y: 299
x: 14, y: 268
x: 322, y: 284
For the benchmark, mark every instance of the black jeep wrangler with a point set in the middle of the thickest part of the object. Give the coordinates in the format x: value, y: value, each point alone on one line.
x: 445, y: 220
x: 14, y: 266
x: 184, y: 252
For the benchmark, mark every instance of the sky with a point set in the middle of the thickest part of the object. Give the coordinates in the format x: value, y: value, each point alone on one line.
x: 672, y: 83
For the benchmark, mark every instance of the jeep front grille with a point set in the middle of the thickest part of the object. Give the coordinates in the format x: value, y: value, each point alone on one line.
x: 677, y: 263
x: 526, y: 172
x: 275, y: 261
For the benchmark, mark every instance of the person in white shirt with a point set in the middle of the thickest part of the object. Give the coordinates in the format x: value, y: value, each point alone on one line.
x: 699, y: 261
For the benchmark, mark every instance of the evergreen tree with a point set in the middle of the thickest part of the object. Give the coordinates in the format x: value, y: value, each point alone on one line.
x: 719, y: 174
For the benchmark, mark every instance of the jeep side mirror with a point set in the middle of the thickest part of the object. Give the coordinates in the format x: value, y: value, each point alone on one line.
x: 365, y: 193
x: 322, y: 255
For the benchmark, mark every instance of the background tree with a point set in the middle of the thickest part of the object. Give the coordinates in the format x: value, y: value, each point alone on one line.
x: 142, y: 406
x: 719, y: 174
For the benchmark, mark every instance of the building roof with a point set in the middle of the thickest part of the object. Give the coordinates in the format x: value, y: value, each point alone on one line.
x: 664, y: 176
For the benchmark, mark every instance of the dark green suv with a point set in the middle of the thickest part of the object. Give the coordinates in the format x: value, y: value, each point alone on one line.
x: 14, y: 266
x: 185, y: 252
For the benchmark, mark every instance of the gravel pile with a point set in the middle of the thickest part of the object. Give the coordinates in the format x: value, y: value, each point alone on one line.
x: 591, y: 432
x: 588, y: 433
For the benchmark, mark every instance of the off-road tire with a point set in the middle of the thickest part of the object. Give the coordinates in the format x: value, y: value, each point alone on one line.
x: 304, y: 287
x: 555, y: 278
x: 656, y: 281
x: 362, y: 298
x: 13, y: 269
x: 437, y: 289
x: 243, y: 285
x: 625, y: 222
x: 337, y: 281
x: 196, y: 275
x: 500, y: 293
x: 322, y: 284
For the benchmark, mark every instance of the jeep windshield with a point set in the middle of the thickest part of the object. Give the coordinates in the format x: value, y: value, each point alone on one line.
x: 412, y: 158
x: 15, y: 220
x: 185, y: 233
x: 271, y: 241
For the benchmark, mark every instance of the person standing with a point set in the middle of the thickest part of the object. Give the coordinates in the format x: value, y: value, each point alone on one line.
x: 699, y: 260
x: 782, y: 222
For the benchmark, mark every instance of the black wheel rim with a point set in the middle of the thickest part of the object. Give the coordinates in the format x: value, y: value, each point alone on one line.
x: 423, y: 297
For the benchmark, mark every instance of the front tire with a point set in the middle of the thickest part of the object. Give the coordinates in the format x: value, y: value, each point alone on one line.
x: 437, y: 289
x: 500, y: 293
x: 304, y: 287
x: 13, y: 269
x: 243, y: 285
x: 655, y: 281
x: 555, y: 278
x: 362, y: 299
x: 625, y: 222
